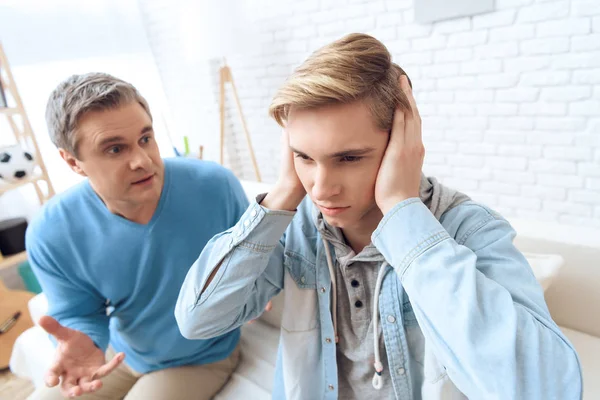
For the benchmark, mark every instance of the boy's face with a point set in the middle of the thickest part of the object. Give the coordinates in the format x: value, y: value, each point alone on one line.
x: 337, y: 152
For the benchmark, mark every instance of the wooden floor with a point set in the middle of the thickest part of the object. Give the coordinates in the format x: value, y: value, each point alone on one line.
x: 13, y: 388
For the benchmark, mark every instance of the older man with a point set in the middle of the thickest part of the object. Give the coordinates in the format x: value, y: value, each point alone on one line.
x: 112, y: 252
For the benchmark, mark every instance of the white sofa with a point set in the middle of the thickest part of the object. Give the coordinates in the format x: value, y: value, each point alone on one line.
x: 573, y: 298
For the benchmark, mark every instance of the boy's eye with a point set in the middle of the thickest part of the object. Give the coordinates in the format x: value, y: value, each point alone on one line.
x: 302, y: 156
x: 351, y: 158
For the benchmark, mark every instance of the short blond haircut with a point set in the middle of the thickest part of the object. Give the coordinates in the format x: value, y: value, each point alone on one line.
x: 357, y: 67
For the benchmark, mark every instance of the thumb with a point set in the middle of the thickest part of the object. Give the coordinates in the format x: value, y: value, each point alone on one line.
x: 54, y: 328
x: 285, y: 148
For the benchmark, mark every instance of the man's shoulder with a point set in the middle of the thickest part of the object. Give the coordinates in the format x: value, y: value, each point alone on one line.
x: 53, y: 219
x: 193, y: 176
x: 184, y: 167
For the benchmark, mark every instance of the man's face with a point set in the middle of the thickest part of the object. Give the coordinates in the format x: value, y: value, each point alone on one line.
x: 337, y: 153
x: 118, y: 153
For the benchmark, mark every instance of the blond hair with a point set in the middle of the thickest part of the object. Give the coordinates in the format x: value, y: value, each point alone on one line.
x: 357, y: 67
x: 78, y: 94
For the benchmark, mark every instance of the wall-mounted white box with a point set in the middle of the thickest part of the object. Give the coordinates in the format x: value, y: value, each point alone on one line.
x: 438, y: 10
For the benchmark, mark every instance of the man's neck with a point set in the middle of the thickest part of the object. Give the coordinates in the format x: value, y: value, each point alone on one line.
x: 359, y: 236
x: 139, y: 213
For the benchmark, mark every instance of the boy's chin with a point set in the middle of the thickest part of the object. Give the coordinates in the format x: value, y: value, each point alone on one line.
x: 337, y: 222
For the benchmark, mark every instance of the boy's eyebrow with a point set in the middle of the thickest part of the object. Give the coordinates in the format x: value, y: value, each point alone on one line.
x: 343, y: 153
x: 352, y: 152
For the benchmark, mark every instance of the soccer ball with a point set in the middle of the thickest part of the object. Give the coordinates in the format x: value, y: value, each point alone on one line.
x: 16, y: 164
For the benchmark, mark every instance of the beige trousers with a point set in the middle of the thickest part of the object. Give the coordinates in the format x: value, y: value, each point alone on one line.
x: 194, y: 382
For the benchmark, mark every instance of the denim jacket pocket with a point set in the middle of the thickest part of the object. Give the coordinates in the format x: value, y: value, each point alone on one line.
x: 300, y: 294
x: 301, y: 270
x: 434, y: 370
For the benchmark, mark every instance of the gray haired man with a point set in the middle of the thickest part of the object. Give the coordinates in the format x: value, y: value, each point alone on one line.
x: 112, y: 252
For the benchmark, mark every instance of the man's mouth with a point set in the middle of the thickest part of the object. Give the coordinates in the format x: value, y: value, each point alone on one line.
x: 146, y: 179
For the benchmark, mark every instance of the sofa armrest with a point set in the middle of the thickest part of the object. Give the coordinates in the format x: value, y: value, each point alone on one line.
x: 38, y: 307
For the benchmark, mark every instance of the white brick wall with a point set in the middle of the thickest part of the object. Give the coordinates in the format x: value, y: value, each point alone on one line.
x: 510, y: 99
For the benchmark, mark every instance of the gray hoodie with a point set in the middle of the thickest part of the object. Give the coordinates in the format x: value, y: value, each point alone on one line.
x: 356, y: 277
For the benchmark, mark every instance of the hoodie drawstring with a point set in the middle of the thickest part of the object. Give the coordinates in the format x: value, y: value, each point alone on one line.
x: 377, y: 377
x: 334, y: 287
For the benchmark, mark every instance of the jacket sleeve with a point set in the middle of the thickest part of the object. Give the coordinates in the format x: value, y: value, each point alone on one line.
x: 249, y: 258
x: 478, y: 303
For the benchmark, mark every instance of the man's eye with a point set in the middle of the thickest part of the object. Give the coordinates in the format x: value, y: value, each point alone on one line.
x: 351, y: 158
x: 145, y: 139
x: 114, y: 150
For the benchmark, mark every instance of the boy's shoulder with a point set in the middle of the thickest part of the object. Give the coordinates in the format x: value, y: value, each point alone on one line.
x: 468, y: 218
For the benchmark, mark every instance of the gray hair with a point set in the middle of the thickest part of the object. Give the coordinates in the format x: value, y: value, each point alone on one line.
x: 79, y: 94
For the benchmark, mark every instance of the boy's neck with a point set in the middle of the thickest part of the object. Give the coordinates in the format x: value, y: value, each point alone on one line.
x: 359, y: 235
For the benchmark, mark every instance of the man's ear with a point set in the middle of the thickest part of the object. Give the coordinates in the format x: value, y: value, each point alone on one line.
x: 72, y: 162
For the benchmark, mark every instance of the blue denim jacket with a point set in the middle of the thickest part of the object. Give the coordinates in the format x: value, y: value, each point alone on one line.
x: 461, y: 312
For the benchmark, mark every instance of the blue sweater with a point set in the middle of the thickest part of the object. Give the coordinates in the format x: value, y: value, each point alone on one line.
x: 118, y: 281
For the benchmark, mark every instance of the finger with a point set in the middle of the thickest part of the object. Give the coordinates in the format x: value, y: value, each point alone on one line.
x: 285, y: 138
x: 53, y: 374
x: 413, y: 118
x: 287, y: 160
x: 269, y: 306
x: 51, y: 380
x: 397, y: 137
x: 108, y: 367
x: 286, y: 145
x: 411, y: 99
x: 69, y: 387
x: 75, y: 391
x: 54, y: 328
x: 89, y: 386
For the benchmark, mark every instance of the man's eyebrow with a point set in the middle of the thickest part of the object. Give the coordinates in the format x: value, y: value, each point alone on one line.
x: 117, y: 139
x: 111, y: 139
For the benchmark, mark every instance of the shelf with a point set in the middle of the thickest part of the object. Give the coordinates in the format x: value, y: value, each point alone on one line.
x: 5, y: 186
x: 9, y: 110
x: 9, y: 261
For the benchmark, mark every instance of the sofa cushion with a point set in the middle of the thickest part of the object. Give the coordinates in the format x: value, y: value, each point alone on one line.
x: 253, y: 379
x: 573, y: 297
x: 32, y: 355
x: 588, y: 348
x: 545, y: 267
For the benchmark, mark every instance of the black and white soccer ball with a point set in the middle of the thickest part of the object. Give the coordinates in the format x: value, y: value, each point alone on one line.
x: 16, y: 164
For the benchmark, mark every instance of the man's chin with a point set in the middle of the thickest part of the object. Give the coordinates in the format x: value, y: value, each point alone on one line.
x: 147, y: 192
